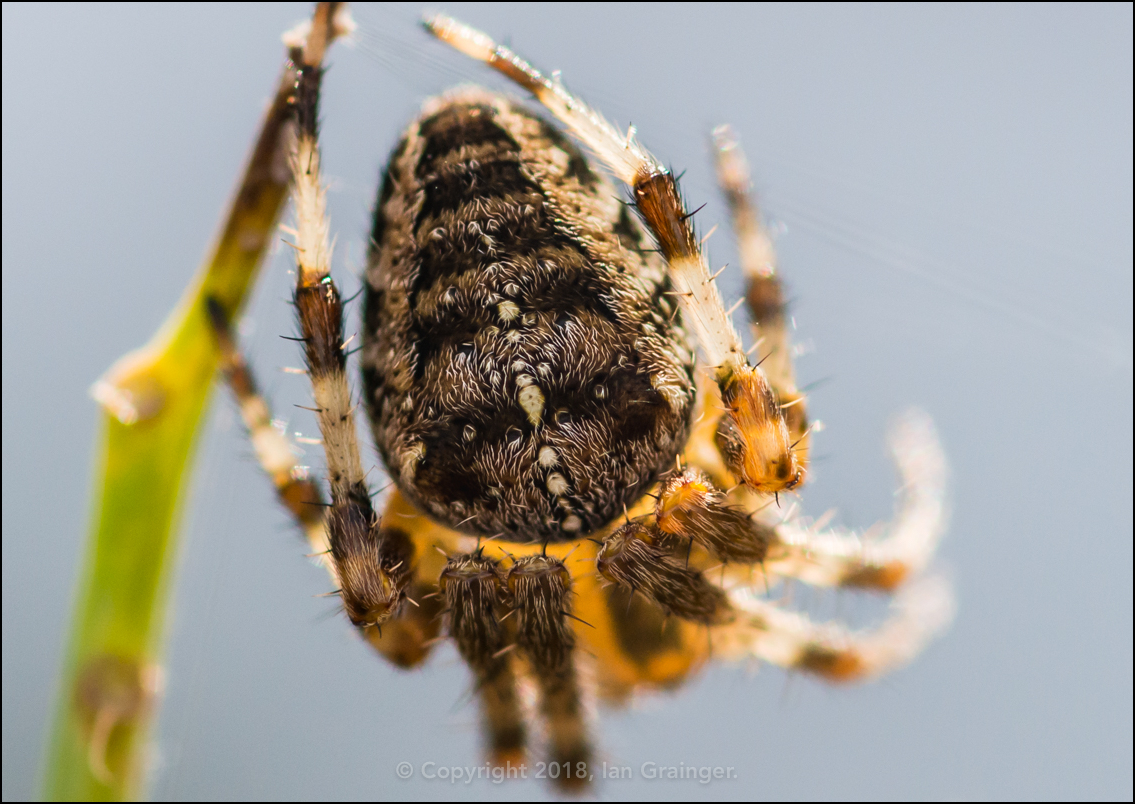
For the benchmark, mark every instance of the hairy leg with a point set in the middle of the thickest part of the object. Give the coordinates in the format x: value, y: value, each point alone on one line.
x: 405, y: 639
x: 471, y: 584
x: 539, y: 587
x: 829, y: 650
x: 764, y: 290
x: 373, y: 566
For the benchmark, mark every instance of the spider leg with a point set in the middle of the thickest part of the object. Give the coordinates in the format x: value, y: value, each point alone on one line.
x: 828, y: 650
x: 306, y: 43
x: 408, y: 636
x: 765, y: 291
x: 539, y: 587
x: 472, y: 587
x: 405, y: 639
x: 691, y: 508
x: 633, y: 557
x: 299, y: 494
x: 761, y: 451
x: 373, y: 566
x: 905, y: 544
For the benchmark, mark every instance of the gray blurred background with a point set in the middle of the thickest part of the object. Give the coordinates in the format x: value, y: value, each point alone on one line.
x: 953, y: 192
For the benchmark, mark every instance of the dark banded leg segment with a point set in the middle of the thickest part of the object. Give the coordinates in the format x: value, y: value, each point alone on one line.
x: 540, y: 588
x: 691, y: 508
x: 761, y: 451
x: 471, y: 586
x: 299, y: 494
x: 634, y: 557
x: 373, y: 571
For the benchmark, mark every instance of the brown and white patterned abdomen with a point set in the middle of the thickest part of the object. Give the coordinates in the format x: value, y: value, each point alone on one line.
x: 526, y: 372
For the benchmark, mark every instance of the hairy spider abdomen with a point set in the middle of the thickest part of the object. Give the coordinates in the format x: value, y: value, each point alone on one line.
x: 527, y: 374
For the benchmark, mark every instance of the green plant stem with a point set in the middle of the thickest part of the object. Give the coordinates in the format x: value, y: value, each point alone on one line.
x: 152, y: 403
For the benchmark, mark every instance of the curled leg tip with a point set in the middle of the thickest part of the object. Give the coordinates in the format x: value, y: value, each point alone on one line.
x: 917, y: 451
x: 830, y: 651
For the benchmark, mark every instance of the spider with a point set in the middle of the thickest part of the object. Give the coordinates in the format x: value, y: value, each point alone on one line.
x: 582, y: 503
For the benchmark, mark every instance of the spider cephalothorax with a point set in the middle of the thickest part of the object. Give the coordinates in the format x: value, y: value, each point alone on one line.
x: 580, y: 506
x: 526, y: 372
